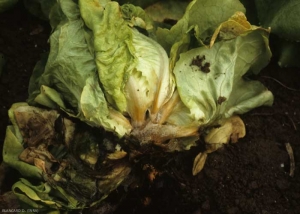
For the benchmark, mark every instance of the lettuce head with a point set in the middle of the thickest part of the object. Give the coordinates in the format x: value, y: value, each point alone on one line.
x: 115, y: 84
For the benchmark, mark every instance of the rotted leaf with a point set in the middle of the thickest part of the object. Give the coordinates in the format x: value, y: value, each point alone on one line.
x: 151, y: 171
x: 199, y: 162
x: 112, y: 179
x: 158, y: 133
x: 40, y: 164
x: 180, y: 144
x: 36, y: 125
x: 40, y: 157
x: 69, y: 130
x: 85, y: 145
x: 231, y: 129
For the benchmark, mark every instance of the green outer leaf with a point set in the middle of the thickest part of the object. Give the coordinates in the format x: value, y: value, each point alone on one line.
x: 12, y: 149
x: 96, y: 111
x: 282, y: 16
x: 136, y: 16
x: 113, y: 47
x: 207, y: 15
x: 229, y: 60
x: 11, y: 116
x: 202, y: 15
x: 65, y: 81
x: 70, y: 62
x: 50, y: 98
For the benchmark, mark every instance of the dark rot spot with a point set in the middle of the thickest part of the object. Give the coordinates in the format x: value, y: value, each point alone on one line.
x: 198, y: 61
x: 207, y: 64
x: 221, y: 100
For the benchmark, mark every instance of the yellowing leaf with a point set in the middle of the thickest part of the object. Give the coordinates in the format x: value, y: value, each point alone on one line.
x: 219, y: 135
x: 238, y: 129
x: 199, y: 162
x: 236, y: 25
x: 231, y: 129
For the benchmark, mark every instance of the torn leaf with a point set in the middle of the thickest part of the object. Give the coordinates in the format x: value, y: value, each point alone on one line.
x: 231, y: 129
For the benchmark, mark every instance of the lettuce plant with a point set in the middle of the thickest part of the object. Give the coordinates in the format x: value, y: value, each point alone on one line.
x: 152, y: 90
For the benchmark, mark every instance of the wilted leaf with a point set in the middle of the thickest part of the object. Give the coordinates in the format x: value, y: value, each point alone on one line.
x: 236, y: 25
x: 199, y: 162
x: 36, y: 125
x: 219, y: 135
x: 232, y: 129
x: 238, y: 129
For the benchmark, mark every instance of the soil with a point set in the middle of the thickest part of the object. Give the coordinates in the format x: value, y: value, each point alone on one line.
x: 251, y: 176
